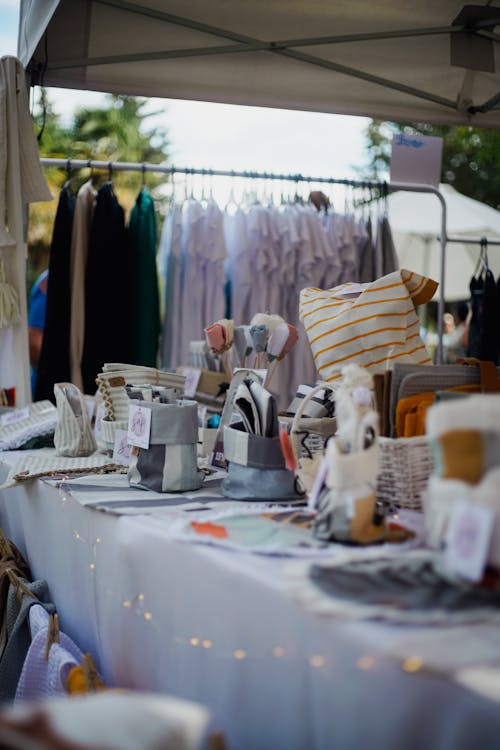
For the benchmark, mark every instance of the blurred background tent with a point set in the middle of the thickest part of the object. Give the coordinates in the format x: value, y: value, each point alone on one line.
x: 416, y: 224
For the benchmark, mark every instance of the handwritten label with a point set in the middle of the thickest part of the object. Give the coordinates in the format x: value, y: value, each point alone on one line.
x: 468, y: 540
x: 139, y: 426
x: 192, y: 376
x: 121, y: 450
x: 12, y: 417
x: 416, y: 158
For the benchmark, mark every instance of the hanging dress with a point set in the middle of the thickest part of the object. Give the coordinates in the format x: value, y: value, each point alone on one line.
x: 54, y: 363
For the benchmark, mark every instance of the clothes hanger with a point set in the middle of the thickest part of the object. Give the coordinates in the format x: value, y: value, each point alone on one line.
x: 67, y: 183
x: 482, y: 266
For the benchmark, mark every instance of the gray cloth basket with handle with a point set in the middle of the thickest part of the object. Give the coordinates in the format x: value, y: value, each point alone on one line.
x: 256, y: 468
x: 170, y: 463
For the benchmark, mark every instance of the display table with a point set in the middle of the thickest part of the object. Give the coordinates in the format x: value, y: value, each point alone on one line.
x: 221, y: 628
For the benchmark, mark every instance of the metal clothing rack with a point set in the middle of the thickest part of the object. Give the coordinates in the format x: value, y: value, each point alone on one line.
x: 297, y: 178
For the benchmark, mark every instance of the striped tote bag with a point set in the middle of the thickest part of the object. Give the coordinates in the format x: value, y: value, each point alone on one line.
x: 373, y: 325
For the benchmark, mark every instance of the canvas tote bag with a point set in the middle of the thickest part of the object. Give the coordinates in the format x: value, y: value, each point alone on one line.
x: 372, y: 325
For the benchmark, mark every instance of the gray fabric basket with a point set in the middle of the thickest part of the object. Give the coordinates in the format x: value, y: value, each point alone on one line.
x: 256, y: 468
x: 169, y: 464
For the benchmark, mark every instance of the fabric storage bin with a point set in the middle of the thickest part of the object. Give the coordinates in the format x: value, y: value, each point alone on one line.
x: 170, y: 462
x: 256, y: 468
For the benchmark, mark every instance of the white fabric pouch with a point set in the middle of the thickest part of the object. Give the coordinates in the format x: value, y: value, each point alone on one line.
x: 73, y: 434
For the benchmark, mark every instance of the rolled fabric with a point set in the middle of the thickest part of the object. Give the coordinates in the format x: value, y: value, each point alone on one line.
x: 293, y: 337
x: 259, y: 335
x: 242, y: 342
x: 228, y: 325
x: 216, y: 337
x: 277, y: 340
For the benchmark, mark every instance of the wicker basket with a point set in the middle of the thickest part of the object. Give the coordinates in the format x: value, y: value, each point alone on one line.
x: 405, y: 466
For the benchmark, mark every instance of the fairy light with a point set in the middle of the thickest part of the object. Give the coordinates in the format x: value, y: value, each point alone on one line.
x: 240, y: 654
x: 127, y: 603
x: 412, y: 664
x: 194, y: 641
x: 148, y: 616
x: 365, y: 663
x: 207, y: 644
x: 278, y: 651
x: 140, y: 597
x: 92, y: 566
x: 317, y: 661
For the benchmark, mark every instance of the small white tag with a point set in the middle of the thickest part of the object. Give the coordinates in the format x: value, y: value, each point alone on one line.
x: 139, y: 426
x: 318, y: 483
x: 192, y: 375
x: 121, y: 450
x: 14, y: 416
x: 100, y: 414
x: 468, y: 540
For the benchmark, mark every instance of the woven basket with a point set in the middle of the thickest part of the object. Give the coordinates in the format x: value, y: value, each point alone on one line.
x: 405, y: 466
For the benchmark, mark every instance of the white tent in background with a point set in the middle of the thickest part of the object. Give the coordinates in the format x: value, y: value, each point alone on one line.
x: 416, y: 224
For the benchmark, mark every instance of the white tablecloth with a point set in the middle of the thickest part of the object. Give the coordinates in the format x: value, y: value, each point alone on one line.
x: 219, y: 627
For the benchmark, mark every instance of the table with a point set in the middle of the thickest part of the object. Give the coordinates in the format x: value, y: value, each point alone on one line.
x: 221, y: 628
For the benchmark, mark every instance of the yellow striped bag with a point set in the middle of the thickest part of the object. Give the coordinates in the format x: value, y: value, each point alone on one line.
x: 372, y: 324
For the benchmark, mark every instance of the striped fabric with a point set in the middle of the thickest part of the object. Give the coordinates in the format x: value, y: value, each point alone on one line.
x: 40, y: 420
x: 373, y: 325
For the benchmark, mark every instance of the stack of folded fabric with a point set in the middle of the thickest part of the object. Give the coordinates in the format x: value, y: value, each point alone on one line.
x: 111, y: 384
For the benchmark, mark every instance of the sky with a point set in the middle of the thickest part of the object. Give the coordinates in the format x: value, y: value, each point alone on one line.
x: 232, y: 137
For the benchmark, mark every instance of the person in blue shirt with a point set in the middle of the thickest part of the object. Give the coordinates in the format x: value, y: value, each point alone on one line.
x: 37, y: 307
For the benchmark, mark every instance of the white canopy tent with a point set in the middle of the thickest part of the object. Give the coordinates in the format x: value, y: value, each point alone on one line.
x: 416, y: 224
x: 428, y: 61
x: 399, y: 60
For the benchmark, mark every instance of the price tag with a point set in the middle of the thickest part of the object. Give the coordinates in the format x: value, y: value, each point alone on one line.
x: 192, y: 376
x: 468, y: 540
x: 121, y: 450
x: 12, y: 417
x: 139, y: 426
x: 101, y: 413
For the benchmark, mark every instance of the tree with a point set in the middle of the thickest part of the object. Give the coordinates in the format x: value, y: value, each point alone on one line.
x: 117, y: 132
x: 471, y: 156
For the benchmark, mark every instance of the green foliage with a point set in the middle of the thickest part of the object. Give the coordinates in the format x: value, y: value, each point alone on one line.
x: 117, y: 132
x: 471, y: 156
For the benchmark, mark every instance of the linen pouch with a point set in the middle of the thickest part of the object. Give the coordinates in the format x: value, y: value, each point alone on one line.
x: 73, y: 435
x: 256, y: 468
x: 465, y: 440
x: 346, y: 509
x: 372, y: 325
x: 169, y: 464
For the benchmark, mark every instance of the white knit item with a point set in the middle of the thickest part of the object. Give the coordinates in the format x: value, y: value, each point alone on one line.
x: 481, y: 412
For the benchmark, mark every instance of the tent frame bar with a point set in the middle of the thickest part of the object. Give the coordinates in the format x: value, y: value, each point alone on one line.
x: 411, y: 187
x: 244, y: 43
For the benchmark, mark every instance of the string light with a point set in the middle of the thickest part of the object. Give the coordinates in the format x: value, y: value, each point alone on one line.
x: 365, y: 663
x: 278, y: 651
x: 240, y: 654
x: 148, y: 616
x: 412, y: 664
x: 194, y: 641
x: 317, y: 661
x: 207, y: 644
